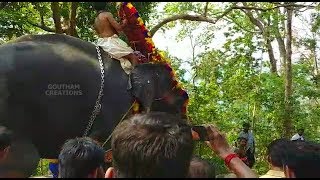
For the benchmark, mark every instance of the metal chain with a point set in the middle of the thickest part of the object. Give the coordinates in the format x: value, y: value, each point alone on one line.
x: 97, y: 107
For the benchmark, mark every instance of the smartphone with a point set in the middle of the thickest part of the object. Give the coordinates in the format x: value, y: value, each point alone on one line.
x: 202, y: 131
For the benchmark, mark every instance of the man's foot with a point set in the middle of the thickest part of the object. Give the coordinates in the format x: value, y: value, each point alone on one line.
x: 133, y: 59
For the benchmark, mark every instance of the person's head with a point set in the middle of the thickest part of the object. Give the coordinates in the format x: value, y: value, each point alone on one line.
x: 300, y: 131
x: 246, y: 126
x: 5, y: 142
x: 155, y: 144
x: 200, y: 168
x: 277, y: 150
x: 303, y: 160
x: 81, y: 158
x: 242, y: 141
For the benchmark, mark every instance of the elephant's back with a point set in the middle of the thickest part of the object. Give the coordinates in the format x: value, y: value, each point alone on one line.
x: 48, y: 87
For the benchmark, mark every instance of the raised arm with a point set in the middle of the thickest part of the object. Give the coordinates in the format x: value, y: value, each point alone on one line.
x: 220, y: 146
x: 118, y: 27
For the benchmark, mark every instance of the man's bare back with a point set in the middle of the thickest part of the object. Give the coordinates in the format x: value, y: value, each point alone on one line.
x: 106, y: 26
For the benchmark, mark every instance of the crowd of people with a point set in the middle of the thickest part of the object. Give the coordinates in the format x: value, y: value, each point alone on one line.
x: 161, y: 145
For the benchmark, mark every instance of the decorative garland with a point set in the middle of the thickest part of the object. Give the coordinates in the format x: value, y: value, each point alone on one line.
x: 155, y: 56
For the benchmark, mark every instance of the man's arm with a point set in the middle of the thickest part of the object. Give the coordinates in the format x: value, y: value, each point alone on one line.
x: 118, y: 27
x: 220, y: 146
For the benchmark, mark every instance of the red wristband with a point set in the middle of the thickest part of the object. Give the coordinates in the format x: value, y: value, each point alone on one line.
x: 228, y: 159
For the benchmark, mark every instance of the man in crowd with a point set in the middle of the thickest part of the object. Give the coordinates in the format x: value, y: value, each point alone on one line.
x: 81, y: 158
x: 161, y: 145
x: 200, y: 168
x: 293, y: 159
x: 250, y: 150
x: 241, y: 149
x: 302, y: 160
x: 151, y: 145
x: 276, y: 150
x: 298, y: 136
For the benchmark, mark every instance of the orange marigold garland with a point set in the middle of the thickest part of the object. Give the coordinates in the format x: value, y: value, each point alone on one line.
x: 154, y: 55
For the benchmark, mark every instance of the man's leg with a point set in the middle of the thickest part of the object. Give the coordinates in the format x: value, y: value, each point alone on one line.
x: 251, y: 159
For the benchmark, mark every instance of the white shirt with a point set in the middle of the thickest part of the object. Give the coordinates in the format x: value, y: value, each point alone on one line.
x: 274, y: 174
x: 297, y: 137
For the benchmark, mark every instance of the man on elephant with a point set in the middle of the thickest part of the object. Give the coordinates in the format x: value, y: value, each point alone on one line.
x: 108, y: 29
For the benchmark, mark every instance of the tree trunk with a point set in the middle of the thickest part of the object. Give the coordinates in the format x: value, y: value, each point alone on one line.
x: 314, y: 54
x: 273, y: 61
x: 73, y: 14
x: 287, y: 123
x: 315, y: 63
x: 266, y: 36
x: 280, y: 40
x: 56, y: 17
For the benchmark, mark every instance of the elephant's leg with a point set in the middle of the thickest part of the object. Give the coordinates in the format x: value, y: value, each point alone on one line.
x: 22, y: 160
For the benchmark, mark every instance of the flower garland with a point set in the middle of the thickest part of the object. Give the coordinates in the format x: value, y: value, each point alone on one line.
x: 156, y: 57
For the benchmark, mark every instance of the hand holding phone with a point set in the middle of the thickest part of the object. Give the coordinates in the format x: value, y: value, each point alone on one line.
x: 202, y: 133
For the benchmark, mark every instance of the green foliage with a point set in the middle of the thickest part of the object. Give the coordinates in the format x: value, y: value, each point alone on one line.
x: 42, y: 169
x: 20, y: 18
x: 230, y: 85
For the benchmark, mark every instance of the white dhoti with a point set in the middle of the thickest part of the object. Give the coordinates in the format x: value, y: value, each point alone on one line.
x: 117, y: 48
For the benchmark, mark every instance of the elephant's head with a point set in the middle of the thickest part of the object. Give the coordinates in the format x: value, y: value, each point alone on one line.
x: 153, y: 86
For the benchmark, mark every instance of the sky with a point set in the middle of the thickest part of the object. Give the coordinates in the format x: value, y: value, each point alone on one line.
x: 182, y: 49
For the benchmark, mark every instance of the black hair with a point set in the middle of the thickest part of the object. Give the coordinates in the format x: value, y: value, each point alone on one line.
x: 201, y: 168
x: 155, y: 144
x: 79, y: 157
x: 277, y: 150
x: 246, y: 124
x: 302, y: 157
x: 305, y: 159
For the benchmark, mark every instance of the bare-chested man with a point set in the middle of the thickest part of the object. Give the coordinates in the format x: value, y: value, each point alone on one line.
x: 108, y: 29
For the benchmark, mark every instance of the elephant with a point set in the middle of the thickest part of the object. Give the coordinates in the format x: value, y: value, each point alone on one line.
x: 49, y: 86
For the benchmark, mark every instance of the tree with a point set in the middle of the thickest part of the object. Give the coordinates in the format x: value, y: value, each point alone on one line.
x: 232, y: 84
x: 254, y: 75
x: 71, y: 18
x: 287, y: 123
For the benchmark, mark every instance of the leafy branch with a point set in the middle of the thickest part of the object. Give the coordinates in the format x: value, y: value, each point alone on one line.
x: 190, y: 18
x: 204, y: 18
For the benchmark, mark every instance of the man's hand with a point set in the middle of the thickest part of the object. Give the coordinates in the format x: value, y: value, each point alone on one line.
x: 220, y: 146
x: 124, y: 22
x: 218, y: 142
